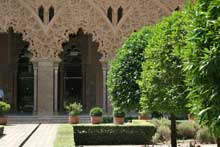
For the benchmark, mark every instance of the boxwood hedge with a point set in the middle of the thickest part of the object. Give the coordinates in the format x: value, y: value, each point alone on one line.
x: 110, y: 134
x: 1, y: 130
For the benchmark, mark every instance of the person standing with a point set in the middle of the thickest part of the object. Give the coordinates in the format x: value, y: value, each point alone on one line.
x: 1, y: 94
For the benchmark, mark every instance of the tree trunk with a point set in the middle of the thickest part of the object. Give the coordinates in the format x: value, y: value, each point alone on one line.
x: 173, y: 130
x: 218, y: 142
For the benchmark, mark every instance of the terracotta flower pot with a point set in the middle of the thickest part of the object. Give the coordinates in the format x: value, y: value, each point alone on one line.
x: 3, y: 120
x: 73, y: 119
x: 96, y: 119
x: 119, y: 120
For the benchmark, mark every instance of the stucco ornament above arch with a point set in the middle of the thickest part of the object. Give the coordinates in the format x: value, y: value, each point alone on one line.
x: 46, y: 37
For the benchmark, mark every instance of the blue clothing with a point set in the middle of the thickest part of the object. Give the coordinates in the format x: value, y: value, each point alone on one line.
x: 1, y: 93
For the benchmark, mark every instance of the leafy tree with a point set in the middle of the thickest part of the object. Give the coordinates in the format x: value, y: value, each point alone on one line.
x: 126, y: 69
x: 203, y: 64
x: 162, y: 80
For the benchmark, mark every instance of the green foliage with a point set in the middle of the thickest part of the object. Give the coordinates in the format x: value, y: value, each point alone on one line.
x: 187, y: 130
x: 4, y: 108
x: 120, y: 134
x: 96, y: 111
x: 74, y: 109
x: 202, y: 63
x: 204, y: 136
x: 110, y: 119
x: 162, y: 80
x: 64, y: 136
x: 117, y: 112
x: 162, y: 134
x: 126, y: 69
x: 161, y: 122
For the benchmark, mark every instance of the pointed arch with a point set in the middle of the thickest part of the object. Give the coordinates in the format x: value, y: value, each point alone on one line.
x: 41, y: 13
x: 51, y: 13
x: 110, y: 13
x: 120, y: 13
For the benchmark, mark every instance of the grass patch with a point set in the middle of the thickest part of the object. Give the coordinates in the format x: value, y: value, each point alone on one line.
x: 64, y: 136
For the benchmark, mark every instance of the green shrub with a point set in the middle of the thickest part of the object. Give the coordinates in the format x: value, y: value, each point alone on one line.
x: 204, y: 136
x: 162, y: 134
x: 96, y: 111
x: 1, y: 130
x: 4, y: 108
x: 110, y: 134
x: 161, y: 122
x: 74, y: 109
x: 108, y: 119
x: 187, y: 130
x: 118, y: 113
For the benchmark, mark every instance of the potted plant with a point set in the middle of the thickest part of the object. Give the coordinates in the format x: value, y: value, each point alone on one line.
x: 74, y: 110
x: 118, y: 116
x: 4, y: 109
x: 96, y: 115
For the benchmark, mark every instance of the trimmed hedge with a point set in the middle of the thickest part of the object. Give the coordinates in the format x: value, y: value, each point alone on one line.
x: 1, y: 130
x: 109, y: 119
x: 110, y: 134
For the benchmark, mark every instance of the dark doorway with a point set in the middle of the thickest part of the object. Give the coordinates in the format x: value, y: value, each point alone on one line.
x: 16, y: 71
x: 70, y: 75
x: 80, y: 72
x: 25, y: 78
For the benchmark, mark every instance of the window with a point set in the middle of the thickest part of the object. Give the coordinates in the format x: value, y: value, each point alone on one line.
x: 120, y: 13
x: 41, y: 13
x: 109, y: 13
x: 51, y: 13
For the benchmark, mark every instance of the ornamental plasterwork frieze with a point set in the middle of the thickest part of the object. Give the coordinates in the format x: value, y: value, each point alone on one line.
x: 46, y: 34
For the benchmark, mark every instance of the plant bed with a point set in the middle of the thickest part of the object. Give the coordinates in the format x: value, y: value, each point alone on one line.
x: 1, y: 130
x: 111, y: 134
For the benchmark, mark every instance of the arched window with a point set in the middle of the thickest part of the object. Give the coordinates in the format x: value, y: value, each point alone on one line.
x: 51, y: 13
x: 109, y: 13
x: 41, y: 13
x: 120, y: 13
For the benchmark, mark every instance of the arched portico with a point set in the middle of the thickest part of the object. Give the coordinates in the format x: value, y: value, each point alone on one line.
x: 46, y: 24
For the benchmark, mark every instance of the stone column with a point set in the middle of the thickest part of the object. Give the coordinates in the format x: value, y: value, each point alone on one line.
x: 45, y: 91
x: 56, y: 68
x: 35, y: 86
x: 104, y: 71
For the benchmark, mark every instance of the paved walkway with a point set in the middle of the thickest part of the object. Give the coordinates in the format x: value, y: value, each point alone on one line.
x: 16, y: 134
x: 43, y: 137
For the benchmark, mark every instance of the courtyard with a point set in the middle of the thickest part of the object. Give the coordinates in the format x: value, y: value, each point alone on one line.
x: 130, y: 73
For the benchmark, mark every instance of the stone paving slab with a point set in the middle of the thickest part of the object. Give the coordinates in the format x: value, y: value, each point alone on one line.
x: 16, y: 134
x: 43, y: 137
x: 205, y: 145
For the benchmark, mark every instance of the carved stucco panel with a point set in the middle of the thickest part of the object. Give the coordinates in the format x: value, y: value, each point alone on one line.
x: 46, y: 37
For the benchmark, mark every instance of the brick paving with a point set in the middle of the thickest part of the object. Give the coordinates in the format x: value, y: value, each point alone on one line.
x: 16, y: 134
